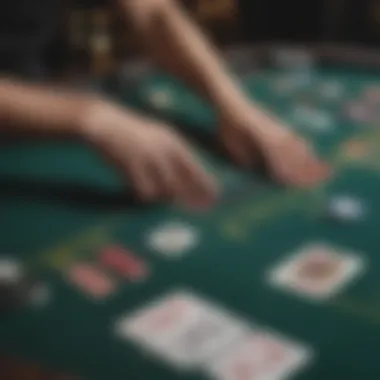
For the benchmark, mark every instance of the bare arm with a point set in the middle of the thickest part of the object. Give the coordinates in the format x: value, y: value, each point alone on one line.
x: 245, y: 129
x: 33, y: 109
x: 178, y: 46
x: 155, y: 159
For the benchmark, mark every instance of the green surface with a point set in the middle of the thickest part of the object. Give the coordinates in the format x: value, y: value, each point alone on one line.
x: 60, y: 204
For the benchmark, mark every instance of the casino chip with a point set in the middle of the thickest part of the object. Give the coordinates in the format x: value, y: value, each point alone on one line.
x: 10, y: 270
x: 16, y: 285
x: 345, y: 208
x: 321, y: 121
x: 284, y: 85
x: 313, y: 118
x: 293, y: 59
x: 290, y: 82
x: 173, y: 239
x: 331, y: 90
x: 160, y: 99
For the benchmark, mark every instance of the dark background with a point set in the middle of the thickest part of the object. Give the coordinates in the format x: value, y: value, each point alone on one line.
x: 353, y: 22
x: 347, y: 21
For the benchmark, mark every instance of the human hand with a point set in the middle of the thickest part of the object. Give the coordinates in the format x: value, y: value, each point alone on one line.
x: 157, y: 161
x: 249, y: 134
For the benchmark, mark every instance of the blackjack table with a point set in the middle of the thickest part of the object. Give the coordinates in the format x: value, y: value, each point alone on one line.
x: 268, y: 283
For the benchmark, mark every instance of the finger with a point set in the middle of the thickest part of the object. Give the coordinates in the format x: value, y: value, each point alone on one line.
x: 239, y: 152
x: 196, y: 187
x: 142, y: 178
x: 282, y: 165
x: 305, y: 170
x: 259, y: 154
x: 166, y: 177
x: 298, y: 164
x: 134, y: 171
x: 316, y: 173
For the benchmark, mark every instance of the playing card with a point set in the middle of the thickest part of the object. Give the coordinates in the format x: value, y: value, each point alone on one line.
x: 318, y: 271
x: 261, y: 356
x: 159, y: 320
x: 182, y: 329
x: 209, y: 335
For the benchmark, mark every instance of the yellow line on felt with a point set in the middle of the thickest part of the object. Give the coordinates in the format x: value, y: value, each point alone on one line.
x: 260, y: 210
x: 62, y: 254
x: 237, y: 226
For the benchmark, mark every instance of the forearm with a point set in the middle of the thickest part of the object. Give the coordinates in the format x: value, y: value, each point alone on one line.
x: 37, y: 110
x: 177, y: 45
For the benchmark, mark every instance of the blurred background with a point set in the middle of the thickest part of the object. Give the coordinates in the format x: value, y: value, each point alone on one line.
x: 93, y: 40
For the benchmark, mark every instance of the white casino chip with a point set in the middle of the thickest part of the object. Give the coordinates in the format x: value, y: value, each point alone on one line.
x: 10, y: 270
x: 289, y: 58
x: 284, y: 85
x: 346, y: 208
x: 313, y: 118
x: 160, y: 99
x: 173, y: 239
x: 332, y: 90
x: 302, y: 113
x: 291, y: 82
x: 303, y: 79
x: 321, y: 121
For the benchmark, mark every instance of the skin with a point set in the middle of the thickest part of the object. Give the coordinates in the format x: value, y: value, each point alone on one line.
x: 150, y: 153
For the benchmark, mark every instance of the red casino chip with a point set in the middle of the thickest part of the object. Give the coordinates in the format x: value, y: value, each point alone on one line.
x: 91, y: 280
x: 124, y: 262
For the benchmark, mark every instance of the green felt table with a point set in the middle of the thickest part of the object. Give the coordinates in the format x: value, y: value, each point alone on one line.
x: 61, y: 204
